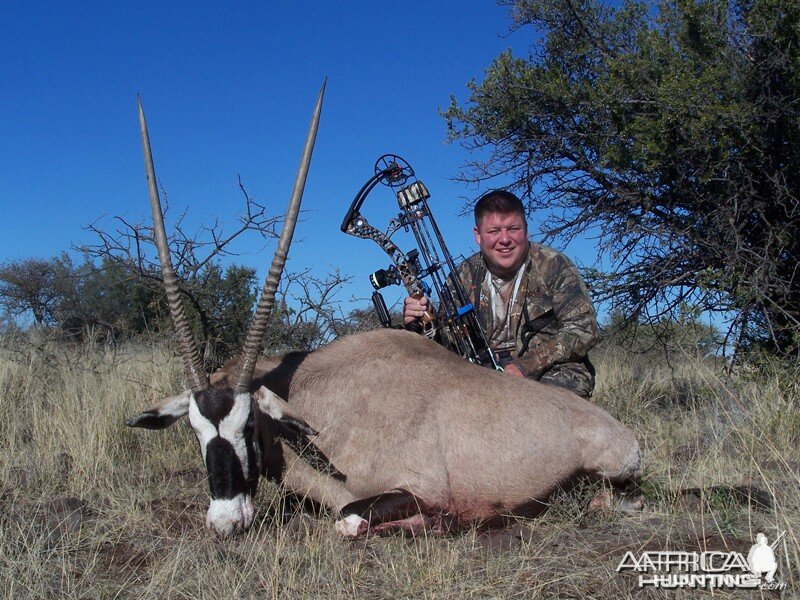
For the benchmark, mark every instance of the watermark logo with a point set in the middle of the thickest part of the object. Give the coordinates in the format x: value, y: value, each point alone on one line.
x: 709, y: 569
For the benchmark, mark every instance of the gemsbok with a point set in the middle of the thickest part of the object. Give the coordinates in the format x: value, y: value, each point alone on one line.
x: 386, y: 428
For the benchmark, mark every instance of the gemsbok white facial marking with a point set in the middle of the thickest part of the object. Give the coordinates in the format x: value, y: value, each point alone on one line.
x: 204, y: 429
x: 231, y: 428
x: 226, y: 516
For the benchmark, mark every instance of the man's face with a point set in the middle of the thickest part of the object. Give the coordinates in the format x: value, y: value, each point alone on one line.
x: 503, y: 240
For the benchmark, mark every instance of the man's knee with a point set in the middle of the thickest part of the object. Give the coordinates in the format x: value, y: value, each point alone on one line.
x: 572, y: 377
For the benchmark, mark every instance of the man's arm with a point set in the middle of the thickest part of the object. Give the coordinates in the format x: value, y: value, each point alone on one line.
x: 578, y: 330
x: 415, y: 308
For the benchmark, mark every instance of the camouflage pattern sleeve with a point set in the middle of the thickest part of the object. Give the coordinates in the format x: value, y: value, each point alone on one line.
x: 575, y: 321
x: 465, y: 274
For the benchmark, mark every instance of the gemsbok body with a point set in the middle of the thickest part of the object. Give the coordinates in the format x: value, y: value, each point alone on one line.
x: 386, y: 428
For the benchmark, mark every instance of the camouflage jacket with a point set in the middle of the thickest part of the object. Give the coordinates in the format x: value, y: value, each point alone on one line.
x: 552, y: 316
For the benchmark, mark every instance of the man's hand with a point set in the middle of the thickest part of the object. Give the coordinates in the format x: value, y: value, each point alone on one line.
x: 513, y: 370
x: 414, y: 308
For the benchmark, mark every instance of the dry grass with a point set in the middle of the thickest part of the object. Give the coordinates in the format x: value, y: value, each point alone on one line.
x: 91, y: 509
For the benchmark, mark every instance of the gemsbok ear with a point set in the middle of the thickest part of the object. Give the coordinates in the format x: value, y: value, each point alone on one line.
x: 275, y: 408
x: 163, y: 414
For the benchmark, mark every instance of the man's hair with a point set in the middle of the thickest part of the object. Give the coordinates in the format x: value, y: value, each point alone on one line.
x: 500, y: 202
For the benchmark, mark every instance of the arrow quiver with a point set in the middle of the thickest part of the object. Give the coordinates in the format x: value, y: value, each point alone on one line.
x: 455, y: 325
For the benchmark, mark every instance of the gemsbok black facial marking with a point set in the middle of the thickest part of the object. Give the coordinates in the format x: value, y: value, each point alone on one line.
x: 226, y: 477
x: 214, y: 405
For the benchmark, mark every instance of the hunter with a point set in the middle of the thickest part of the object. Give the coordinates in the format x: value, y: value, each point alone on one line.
x: 530, y: 299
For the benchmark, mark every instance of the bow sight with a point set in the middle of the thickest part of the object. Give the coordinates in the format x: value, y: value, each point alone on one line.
x: 455, y: 324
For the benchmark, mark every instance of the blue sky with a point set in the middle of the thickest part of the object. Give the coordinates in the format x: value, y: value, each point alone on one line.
x: 228, y: 90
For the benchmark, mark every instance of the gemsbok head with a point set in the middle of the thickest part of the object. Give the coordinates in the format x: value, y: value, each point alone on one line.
x: 222, y: 416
